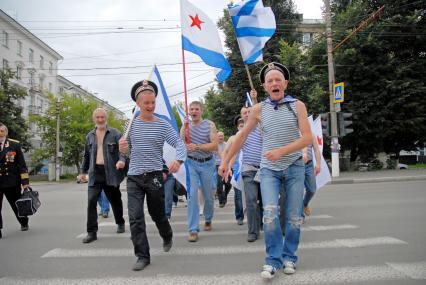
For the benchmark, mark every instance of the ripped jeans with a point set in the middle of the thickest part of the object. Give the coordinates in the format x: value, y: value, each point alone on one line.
x: 278, y: 248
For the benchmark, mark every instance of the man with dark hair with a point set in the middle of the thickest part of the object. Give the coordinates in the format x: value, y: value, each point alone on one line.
x: 203, y: 141
x: 13, y: 175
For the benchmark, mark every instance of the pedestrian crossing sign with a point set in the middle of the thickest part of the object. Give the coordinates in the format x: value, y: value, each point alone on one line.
x: 339, y: 92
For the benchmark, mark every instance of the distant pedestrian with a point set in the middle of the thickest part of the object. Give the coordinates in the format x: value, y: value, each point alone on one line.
x: 105, y: 165
x: 311, y: 172
x: 203, y: 135
x: 147, y: 136
x: 13, y: 175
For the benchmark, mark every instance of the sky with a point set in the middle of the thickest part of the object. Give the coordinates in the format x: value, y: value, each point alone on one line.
x: 108, y: 45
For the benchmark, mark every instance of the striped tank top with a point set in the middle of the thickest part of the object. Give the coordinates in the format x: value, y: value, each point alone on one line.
x: 200, y: 134
x: 280, y: 128
x: 252, y: 148
x: 309, y: 152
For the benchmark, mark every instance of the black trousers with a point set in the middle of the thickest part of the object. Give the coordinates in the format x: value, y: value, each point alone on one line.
x: 223, y: 188
x: 150, y: 185
x: 12, y: 194
x: 114, y: 197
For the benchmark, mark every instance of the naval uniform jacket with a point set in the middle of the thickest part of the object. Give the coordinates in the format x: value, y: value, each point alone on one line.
x: 13, y: 170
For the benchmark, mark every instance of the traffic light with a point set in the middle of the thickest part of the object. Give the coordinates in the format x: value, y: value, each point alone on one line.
x: 325, y: 124
x: 345, y: 123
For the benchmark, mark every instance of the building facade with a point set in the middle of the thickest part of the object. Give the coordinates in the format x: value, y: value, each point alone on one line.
x: 35, y: 65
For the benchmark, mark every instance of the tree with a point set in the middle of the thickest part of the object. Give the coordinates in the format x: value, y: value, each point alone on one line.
x: 75, y: 122
x: 11, y: 112
x: 223, y: 105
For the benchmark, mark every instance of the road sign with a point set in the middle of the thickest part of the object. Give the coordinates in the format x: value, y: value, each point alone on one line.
x: 339, y: 92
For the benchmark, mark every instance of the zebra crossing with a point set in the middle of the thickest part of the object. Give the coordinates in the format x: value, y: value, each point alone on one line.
x: 227, y: 241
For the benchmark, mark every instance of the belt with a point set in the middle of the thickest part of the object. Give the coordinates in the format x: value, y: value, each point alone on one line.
x: 200, y: 159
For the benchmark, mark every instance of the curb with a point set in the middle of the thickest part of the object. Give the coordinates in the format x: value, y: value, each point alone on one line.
x: 378, y: 180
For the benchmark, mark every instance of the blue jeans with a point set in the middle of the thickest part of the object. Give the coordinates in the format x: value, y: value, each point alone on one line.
x: 238, y: 201
x: 103, y: 203
x: 310, y: 183
x: 201, y: 174
x: 278, y: 248
x: 169, y: 185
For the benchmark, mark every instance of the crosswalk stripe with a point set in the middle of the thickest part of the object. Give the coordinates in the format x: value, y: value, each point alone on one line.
x: 225, y: 233
x: 108, y: 252
x: 215, y: 221
x: 388, y: 271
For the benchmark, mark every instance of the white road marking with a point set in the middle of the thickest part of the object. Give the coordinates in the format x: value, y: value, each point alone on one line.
x: 104, y: 252
x: 389, y: 271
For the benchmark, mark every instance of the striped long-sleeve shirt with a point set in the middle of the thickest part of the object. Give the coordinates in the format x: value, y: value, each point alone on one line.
x: 146, y: 141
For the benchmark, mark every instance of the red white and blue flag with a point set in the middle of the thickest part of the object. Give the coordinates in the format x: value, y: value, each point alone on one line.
x: 200, y: 36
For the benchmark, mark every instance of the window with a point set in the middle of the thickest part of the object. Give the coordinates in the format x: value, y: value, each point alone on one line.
x: 5, y: 64
x: 41, y: 62
x: 41, y: 82
x: 19, y: 50
x: 50, y: 67
x: 19, y: 72
x: 5, y: 39
x: 31, y: 81
x: 31, y: 56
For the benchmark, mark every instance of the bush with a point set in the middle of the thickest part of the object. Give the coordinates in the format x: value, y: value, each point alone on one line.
x: 69, y: 176
x: 375, y: 165
x: 391, y: 163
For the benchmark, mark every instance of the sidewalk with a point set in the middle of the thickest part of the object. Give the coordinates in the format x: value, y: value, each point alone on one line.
x: 344, y: 178
x: 380, y: 176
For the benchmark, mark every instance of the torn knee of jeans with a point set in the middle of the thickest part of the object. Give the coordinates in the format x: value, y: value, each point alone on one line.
x: 270, y: 213
x: 296, y: 221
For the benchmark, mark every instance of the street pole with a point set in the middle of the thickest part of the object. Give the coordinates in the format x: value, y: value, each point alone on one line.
x: 333, y: 114
x: 57, y: 140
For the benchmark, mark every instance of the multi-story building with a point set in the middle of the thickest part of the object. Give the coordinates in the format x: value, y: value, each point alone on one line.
x: 35, y: 64
x: 66, y: 86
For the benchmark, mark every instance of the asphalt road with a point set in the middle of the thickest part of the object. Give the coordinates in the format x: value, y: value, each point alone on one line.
x: 368, y: 233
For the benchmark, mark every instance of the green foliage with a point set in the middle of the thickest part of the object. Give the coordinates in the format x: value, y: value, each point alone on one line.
x: 383, y: 68
x: 223, y: 105
x: 10, y: 112
x: 75, y: 122
x: 375, y: 164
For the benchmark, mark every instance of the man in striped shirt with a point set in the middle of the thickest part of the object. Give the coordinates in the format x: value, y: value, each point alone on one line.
x: 202, y: 141
x: 147, y: 136
x: 285, y: 130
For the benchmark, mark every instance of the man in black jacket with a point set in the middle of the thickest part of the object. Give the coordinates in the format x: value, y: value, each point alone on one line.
x: 13, y: 174
x: 105, y: 167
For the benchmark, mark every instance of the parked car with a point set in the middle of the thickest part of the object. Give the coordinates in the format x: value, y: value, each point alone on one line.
x: 402, y: 166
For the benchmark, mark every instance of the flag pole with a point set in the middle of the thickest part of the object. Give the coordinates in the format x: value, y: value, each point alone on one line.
x: 186, y: 122
x: 126, y: 134
x: 249, y: 76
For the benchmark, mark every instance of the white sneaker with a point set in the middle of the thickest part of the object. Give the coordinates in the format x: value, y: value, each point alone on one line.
x: 268, y: 272
x: 289, y: 267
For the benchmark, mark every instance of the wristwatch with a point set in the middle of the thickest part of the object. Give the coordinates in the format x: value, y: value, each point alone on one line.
x: 180, y: 161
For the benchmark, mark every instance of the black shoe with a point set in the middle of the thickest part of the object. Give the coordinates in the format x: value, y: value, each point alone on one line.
x: 240, y: 222
x: 105, y: 215
x: 167, y: 245
x: 120, y: 229
x: 140, y: 264
x: 90, y: 237
x: 24, y: 228
x: 251, y: 237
